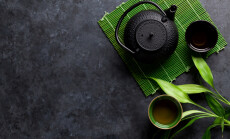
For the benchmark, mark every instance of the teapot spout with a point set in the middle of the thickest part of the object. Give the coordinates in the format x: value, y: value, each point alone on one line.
x: 171, y: 12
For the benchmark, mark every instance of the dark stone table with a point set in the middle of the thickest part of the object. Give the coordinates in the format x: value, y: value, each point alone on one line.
x: 61, y: 78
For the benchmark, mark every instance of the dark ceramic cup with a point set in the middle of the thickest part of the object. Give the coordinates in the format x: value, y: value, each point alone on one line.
x: 201, y: 36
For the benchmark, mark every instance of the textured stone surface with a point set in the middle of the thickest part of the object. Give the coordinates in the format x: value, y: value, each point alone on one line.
x: 60, y: 77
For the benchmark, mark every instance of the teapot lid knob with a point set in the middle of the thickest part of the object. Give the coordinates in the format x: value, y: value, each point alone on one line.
x: 151, y: 34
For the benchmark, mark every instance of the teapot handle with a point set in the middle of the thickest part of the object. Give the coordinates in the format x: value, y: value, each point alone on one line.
x: 123, y: 16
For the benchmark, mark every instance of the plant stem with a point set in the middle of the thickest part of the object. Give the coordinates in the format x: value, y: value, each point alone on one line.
x: 225, y: 100
x: 204, y: 108
x: 200, y: 115
x: 220, y: 99
x: 227, y: 121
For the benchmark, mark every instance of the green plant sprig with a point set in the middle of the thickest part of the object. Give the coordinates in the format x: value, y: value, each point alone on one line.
x: 206, y: 74
x: 182, y: 92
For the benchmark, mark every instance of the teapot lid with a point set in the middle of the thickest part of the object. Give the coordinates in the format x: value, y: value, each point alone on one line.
x: 151, y: 35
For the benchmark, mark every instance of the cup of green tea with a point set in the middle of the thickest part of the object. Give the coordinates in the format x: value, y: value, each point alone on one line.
x: 165, y: 112
x: 201, y: 36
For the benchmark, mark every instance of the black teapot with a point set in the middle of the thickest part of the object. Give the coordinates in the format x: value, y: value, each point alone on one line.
x: 151, y: 36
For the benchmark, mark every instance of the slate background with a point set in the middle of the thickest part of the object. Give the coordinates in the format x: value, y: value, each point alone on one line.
x: 61, y: 78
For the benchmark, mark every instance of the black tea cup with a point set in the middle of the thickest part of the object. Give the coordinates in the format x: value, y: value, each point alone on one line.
x: 201, y: 36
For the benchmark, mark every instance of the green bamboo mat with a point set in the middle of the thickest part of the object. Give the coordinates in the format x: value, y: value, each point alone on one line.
x: 180, y: 62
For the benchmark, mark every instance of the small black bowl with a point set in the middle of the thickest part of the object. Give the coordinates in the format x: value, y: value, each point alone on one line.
x: 201, y: 36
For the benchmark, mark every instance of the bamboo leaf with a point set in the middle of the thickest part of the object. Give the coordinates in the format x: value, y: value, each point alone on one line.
x: 227, y: 113
x: 172, y: 90
x: 217, y: 120
x: 207, y: 134
x: 187, y: 125
x: 186, y: 113
x: 197, y: 115
x: 203, y: 69
x: 216, y: 107
x: 222, y: 125
x: 193, y: 88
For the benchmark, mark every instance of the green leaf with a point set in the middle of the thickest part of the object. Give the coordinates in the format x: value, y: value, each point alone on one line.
x: 217, y: 120
x: 207, y: 134
x: 172, y: 90
x: 220, y: 120
x: 186, y: 113
x: 187, y: 125
x: 216, y: 107
x: 222, y: 125
x: 166, y: 134
x: 196, y: 115
x: 203, y: 69
x: 227, y: 113
x: 193, y: 88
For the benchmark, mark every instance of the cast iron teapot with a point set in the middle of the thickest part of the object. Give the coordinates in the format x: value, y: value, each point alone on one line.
x: 151, y: 36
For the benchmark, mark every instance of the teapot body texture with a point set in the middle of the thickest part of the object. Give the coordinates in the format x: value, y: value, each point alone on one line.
x: 151, y: 36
